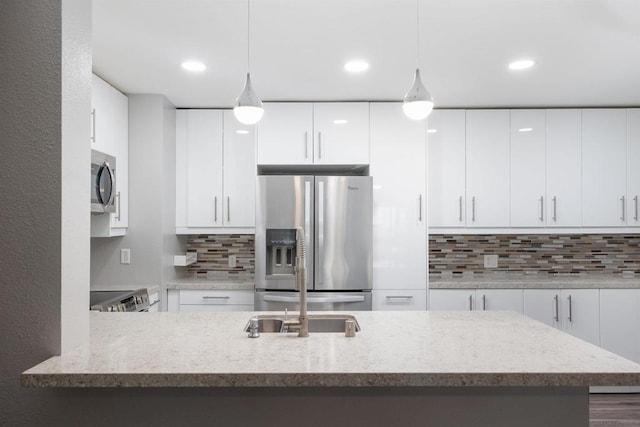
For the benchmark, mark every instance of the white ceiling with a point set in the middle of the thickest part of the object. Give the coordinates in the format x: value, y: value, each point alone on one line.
x: 587, y: 51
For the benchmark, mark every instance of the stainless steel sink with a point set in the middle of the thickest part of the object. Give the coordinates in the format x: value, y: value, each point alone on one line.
x: 317, y: 323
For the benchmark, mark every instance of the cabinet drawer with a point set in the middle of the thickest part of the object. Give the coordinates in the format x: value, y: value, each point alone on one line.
x: 400, y: 300
x: 203, y: 308
x: 216, y: 297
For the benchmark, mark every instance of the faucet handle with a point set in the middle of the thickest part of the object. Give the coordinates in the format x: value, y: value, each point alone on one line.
x: 285, y: 314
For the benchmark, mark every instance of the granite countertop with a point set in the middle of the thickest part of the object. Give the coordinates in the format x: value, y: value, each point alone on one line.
x: 439, y: 349
x: 209, y: 284
x: 150, y: 288
x: 545, y: 282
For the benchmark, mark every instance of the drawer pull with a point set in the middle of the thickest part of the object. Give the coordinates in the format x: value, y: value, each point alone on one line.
x: 399, y: 296
x: 216, y: 298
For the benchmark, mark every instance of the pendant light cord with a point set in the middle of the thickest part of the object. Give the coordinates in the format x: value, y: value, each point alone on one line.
x: 248, y: 34
x: 417, y: 33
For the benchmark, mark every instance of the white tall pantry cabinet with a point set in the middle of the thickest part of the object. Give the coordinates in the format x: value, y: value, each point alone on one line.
x: 399, y: 213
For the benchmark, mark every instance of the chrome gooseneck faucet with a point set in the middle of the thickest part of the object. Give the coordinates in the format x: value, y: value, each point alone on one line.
x: 302, y: 325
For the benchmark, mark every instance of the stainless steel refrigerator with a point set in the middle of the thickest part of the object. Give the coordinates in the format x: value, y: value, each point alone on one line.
x: 336, y: 213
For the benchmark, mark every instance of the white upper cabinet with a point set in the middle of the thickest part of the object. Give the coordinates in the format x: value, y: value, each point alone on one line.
x: 321, y: 133
x: 528, y: 168
x: 487, y: 158
x: 563, y: 204
x: 215, y: 172
x: 399, y: 216
x: 204, y: 168
x: 110, y: 135
x: 239, y: 173
x: 446, y: 153
x: 604, y: 167
x: 633, y: 167
x: 341, y: 133
x: 285, y: 134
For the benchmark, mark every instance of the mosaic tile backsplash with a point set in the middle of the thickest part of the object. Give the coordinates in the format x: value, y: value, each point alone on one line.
x: 550, y: 254
x: 213, y: 256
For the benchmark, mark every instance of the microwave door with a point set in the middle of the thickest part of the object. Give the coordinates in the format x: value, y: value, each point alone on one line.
x: 344, y: 224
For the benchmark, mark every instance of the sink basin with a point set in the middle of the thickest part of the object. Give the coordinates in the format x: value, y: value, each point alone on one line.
x: 317, y: 323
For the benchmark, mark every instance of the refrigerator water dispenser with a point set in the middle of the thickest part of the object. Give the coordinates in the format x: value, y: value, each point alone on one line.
x: 281, y: 252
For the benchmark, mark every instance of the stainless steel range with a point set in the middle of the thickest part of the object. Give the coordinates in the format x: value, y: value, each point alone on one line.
x: 119, y: 301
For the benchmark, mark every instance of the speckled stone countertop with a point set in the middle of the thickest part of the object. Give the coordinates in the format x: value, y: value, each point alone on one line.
x: 439, y: 349
x: 208, y: 284
x: 150, y: 288
x: 545, y: 282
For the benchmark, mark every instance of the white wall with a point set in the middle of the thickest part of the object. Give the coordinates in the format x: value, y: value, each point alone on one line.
x: 151, y: 234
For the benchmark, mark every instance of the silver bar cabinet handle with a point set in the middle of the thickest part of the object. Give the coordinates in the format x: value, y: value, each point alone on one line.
x: 473, y: 209
x: 470, y: 302
x: 623, y: 216
x: 118, y: 206
x: 570, y: 314
x: 541, y: 209
x: 460, y: 209
x: 420, y: 208
x: 484, y: 302
x: 635, y: 201
x: 228, y: 209
x: 93, y: 125
x: 215, y: 208
x: 555, y: 205
x: 557, y: 316
x: 306, y: 144
x: 216, y: 298
x: 399, y: 297
x: 319, y: 145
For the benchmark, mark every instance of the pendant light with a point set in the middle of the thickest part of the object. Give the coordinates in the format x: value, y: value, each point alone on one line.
x: 418, y: 102
x: 248, y: 108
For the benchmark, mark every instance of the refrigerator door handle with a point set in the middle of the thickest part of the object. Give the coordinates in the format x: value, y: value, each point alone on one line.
x: 311, y: 299
x: 320, y: 265
x: 307, y: 224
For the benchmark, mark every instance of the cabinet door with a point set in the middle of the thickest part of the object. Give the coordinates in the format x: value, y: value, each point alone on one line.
x: 399, y: 217
x: 451, y: 299
x: 488, y: 168
x: 102, y: 137
x: 620, y: 322
x: 633, y: 167
x: 400, y: 300
x: 182, y: 144
x: 604, y: 165
x: 239, y: 173
x: 527, y: 168
x: 204, y: 168
x: 543, y: 305
x: 341, y: 133
x: 564, y: 168
x: 446, y: 153
x: 285, y: 134
x: 499, y: 299
x: 580, y: 314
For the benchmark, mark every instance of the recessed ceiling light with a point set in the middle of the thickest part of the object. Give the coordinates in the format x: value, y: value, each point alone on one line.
x: 356, y: 66
x: 195, y: 66
x: 521, y: 64
x: 432, y: 130
x: 242, y: 131
x: 339, y: 122
x: 525, y: 129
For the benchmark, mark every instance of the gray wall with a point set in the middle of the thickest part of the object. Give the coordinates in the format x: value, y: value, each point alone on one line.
x: 152, y: 177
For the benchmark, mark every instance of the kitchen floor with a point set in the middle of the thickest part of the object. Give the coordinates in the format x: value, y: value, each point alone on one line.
x: 620, y: 410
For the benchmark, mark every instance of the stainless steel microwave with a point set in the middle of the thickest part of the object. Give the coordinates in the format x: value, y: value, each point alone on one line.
x: 103, y: 183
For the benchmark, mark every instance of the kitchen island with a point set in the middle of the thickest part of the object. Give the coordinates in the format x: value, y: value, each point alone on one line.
x: 482, y: 367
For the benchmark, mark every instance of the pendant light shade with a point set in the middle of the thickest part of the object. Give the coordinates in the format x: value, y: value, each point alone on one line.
x: 418, y: 102
x: 248, y: 108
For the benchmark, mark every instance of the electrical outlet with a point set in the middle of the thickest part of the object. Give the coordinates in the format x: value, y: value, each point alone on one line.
x: 232, y: 261
x: 125, y: 256
x: 491, y: 261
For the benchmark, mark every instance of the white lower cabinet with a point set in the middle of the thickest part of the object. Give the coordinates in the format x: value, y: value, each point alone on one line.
x: 620, y: 322
x: 575, y: 311
x: 475, y: 299
x: 154, y: 302
x: 189, y: 300
x: 401, y: 300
